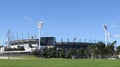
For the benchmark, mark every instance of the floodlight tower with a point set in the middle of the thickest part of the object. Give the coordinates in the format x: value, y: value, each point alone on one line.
x: 74, y: 39
x: 109, y: 37
x: 9, y: 37
x: 40, y: 24
x: 105, y: 29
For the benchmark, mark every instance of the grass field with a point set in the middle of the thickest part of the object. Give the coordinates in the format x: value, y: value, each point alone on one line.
x: 59, y: 63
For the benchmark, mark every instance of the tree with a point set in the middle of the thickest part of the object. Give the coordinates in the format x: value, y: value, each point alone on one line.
x: 106, y: 52
x: 100, y: 48
x: 87, y: 53
x: 118, y: 49
x: 81, y: 52
x: 61, y: 53
x: 44, y: 52
x: 72, y: 53
x: 37, y: 52
x: 52, y: 52
x: 93, y: 51
x: 111, y: 48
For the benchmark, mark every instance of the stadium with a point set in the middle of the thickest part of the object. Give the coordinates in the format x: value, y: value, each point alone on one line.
x: 29, y: 45
x: 32, y: 44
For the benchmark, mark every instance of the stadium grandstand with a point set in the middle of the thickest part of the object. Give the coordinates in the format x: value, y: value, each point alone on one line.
x: 32, y: 44
x: 27, y: 46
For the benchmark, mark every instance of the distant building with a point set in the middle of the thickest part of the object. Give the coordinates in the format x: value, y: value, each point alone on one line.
x: 32, y: 44
x: 74, y: 45
x: 28, y: 44
x: 1, y: 48
x: 48, y: 41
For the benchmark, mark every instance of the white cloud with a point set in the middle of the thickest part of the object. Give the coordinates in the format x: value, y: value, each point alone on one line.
x: 117, y: 35
x: 28, y: 19
x: 113, y: 25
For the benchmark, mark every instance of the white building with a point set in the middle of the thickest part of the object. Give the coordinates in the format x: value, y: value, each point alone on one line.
x: 32, y: 44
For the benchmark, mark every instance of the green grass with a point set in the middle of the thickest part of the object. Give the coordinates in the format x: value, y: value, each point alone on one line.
x: 26, y: 57
x: 59, y: 63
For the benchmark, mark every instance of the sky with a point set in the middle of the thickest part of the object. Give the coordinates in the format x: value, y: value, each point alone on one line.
x: 63, y: 19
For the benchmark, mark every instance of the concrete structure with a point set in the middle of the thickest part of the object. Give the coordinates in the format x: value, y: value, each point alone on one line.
x: 32, y: 44
x: 1, y: 49
x: 40, y: 24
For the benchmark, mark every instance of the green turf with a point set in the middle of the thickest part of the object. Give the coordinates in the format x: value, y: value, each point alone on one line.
x: 26, y: 57
x: 59, y: 63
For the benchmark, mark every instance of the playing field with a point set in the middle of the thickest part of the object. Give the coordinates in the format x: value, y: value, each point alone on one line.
x: 59, y: 63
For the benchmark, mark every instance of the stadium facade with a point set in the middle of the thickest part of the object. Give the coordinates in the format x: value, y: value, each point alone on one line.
x: 30, y: 45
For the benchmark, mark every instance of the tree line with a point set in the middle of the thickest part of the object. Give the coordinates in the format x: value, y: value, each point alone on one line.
x: 98, y: 50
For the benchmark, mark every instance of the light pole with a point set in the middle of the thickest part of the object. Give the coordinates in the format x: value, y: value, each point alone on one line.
x: 109, y: 37
x: 105, y: 29
x: 40, y: 24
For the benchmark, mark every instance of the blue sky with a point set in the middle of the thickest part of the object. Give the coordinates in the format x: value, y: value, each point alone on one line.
x: 62, y: 18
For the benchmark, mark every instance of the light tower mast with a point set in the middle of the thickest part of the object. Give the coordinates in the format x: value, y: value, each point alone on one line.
x: 40, y: 24
x: 105, y: 29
